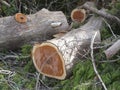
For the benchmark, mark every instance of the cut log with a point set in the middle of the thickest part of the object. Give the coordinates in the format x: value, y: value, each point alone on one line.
x: 16, y: 31
x: 78, y: 15
x: 55, y: 58
x: 111, y: 51
x: 21, y: 18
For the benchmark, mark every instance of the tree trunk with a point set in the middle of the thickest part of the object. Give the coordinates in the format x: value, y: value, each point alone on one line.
x: 39, y: 27
x: 55, y: 58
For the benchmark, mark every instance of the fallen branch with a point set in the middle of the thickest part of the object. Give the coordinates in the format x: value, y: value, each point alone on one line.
x: 111, y: 51
x: 102, y: 13
x: 93, y: 62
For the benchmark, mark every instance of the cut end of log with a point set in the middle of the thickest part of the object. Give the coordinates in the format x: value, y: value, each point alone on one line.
x: 48, y: 60
x: 21, y: 18
x: 78, y: 15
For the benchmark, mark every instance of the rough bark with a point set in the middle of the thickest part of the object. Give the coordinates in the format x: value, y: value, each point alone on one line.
x: 111, y: 51
x: 39, y: 27
x: 55, y: 58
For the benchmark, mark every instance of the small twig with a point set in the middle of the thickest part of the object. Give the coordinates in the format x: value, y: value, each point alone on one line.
x: 15, y: 56
x: 45, y: 84
x: 109, y: 61
x: 109, y: 27
x: 5, y: 3
x: 5, y: 72
x: 93, y: 62
x: 10, y: 74
x: 19, y: 6
x: 10, y: 56
x: 51, y: 4
x: 37, y: 81
x: 13, y: 85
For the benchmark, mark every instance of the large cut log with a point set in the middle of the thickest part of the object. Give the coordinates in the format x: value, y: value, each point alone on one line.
x: 17, y: 30
x: 55, y: 58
